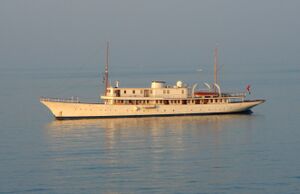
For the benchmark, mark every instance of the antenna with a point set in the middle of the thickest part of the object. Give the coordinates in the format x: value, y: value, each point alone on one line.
x: 106, y: 68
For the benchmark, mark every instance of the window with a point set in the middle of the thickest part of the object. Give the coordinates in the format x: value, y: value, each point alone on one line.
x: 124, y: 91
x: 182, y: 91
x: 168, y: 91
x: 133, y: 91
x: 141, y: 91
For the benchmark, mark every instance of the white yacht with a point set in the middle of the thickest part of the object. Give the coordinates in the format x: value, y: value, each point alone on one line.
x: 160, y: 99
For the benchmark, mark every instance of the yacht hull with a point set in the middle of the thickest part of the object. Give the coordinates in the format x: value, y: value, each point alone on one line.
x: 78, y: 110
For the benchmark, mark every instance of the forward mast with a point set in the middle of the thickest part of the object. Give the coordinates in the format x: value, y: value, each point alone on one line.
x: 106, y: 68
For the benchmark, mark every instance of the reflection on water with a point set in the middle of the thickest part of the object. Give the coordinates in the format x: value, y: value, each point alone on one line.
x: 125, y: 154
x: 114, y: 129
x: 211, y: 122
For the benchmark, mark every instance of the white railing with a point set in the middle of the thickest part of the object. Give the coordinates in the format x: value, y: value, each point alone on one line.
x: 240, y: 94
x: 72, y: 99
x: 223, y: 95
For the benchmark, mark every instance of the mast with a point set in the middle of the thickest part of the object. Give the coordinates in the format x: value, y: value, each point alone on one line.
x: 106, y: 68
x: 216, y: 67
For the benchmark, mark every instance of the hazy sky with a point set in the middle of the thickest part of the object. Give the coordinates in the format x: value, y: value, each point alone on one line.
x: 152, y: 33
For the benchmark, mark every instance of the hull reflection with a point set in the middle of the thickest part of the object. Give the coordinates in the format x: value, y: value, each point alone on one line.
x: 142, y: 148
x: 210, y: 121
x: 116, y: 128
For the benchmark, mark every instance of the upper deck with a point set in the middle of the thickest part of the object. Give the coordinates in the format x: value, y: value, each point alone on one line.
x: 160, y: 91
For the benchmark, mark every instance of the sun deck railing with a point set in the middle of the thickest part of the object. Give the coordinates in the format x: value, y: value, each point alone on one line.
x: 240, y: 94
x: 223, y: 95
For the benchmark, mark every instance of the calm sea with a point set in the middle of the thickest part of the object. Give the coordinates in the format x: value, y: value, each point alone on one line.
x: 257, y: 153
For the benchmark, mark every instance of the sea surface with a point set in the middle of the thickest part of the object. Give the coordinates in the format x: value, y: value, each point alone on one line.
x: 238, y: 153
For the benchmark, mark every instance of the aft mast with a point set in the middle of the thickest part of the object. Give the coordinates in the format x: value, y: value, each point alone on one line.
x: 216, y: 68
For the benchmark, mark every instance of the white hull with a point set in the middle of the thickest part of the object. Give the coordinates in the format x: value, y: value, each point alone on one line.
x: 65, y: 110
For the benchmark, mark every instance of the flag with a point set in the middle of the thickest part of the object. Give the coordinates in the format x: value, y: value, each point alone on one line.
x: 248, y: 89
